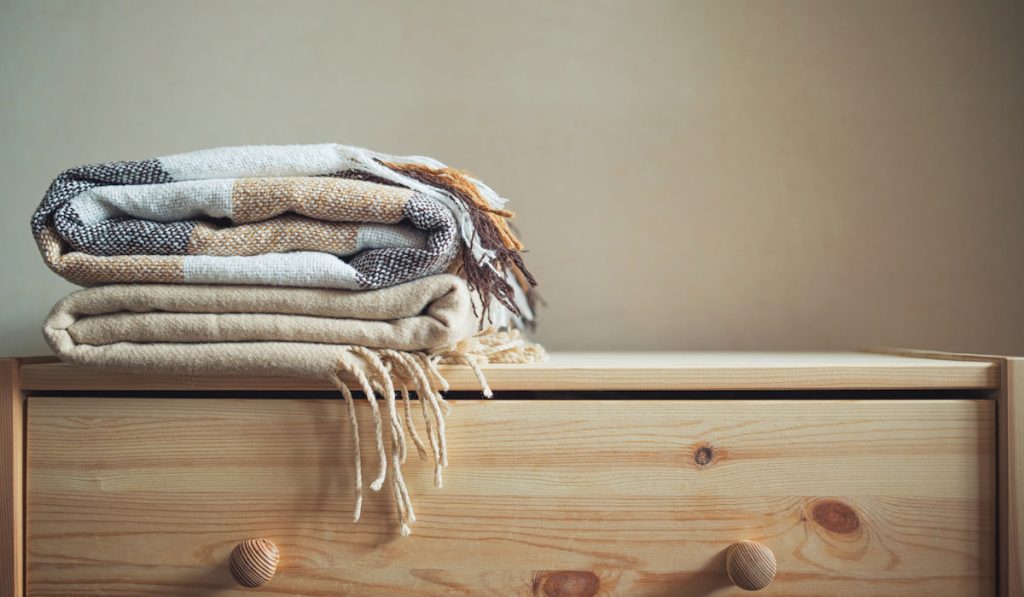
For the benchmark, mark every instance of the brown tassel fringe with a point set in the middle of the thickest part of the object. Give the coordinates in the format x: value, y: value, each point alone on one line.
x: 490, y: 226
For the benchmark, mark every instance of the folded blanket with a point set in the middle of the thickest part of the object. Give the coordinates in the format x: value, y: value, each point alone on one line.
x: 377, y: 341
x: 326, y: 216
x: 253, y: 330
x: 323, y: 260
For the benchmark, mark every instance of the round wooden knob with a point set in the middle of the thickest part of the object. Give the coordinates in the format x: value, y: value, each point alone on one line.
x: 254, y: 562
x: 750, y: 565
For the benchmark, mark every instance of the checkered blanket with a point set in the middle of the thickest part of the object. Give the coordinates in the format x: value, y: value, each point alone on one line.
x: 325, y: 216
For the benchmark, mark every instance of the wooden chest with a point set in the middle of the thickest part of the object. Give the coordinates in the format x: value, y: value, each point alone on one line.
x: 593, y: 474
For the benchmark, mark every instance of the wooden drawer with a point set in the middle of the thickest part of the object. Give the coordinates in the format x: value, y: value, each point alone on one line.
x: 543, y: 497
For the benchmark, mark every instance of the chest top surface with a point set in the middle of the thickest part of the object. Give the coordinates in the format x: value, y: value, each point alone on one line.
x: 599, y: 371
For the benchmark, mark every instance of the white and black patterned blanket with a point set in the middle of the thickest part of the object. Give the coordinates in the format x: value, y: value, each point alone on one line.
x: 328, y: 216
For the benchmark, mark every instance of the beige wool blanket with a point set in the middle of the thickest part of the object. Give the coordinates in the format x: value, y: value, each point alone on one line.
x: 247, y: 330
x: 387, y: 341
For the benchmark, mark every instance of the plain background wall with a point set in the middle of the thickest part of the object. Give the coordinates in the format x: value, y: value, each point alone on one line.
x: 720, y: 175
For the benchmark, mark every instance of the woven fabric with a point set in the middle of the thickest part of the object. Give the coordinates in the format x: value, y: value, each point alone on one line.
x: 245, y: 330
x: 321, y: 216
x: 375, y: 340
x: 320, y: 261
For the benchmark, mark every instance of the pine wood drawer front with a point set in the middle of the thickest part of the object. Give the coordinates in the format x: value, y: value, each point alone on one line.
x: 543, y: 497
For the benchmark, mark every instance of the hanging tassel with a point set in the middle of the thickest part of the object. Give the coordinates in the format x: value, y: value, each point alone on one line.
x: 425, y: 390
x: 490, y: 346
x: 471, y: 361
x: 407, y: 407
x: 364, y: 384
x: 382, y: 377
x: 430, y: 364
x: 433, y: 419
x: 380, y: 371
x: 357, y: 460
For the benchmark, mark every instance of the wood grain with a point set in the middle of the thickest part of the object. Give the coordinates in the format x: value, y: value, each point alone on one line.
x: 1011, y: 479
x: 253, y: 562
x: 603, y: 371
x: 12, y: 553
x: 1010, y: 416
x: 750, y: 565
x: 875, y: 497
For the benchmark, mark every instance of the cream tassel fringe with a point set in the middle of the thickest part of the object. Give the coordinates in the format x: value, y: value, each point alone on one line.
x: 492, y: 346
x: 380, y: 371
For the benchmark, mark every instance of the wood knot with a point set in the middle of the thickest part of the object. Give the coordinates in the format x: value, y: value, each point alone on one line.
x: 566, y: 583
x: 704, y: 455
x: 835, y: 516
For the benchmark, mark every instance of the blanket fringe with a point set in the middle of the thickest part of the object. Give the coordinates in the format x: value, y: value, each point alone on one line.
x: 492, y: 346
x: 490, y: 226
x: 357, y: 459
x: 391, y: 374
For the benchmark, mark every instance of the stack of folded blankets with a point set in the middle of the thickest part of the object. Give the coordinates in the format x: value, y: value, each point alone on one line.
x: 313, y: 260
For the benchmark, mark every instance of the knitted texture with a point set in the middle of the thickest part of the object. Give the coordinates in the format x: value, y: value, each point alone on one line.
x: 325, y: 216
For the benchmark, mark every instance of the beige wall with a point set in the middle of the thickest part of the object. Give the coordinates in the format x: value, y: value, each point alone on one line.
x: 688, y: 175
